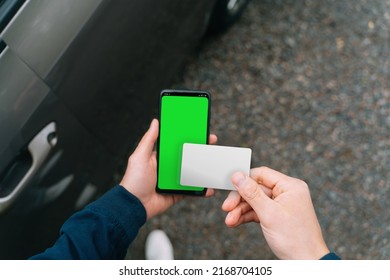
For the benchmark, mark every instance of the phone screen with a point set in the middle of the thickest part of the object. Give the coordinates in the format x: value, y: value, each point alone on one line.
x: 184, y: 118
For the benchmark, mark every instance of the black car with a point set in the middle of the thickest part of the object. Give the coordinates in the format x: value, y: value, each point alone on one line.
x: 79, y: 82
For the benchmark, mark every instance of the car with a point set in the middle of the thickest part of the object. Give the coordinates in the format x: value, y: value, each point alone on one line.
x: 79, y: 82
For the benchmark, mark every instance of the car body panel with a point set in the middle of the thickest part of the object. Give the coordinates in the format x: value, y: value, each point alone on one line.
x: 146, y: 60
x: 42, y: 30
x: 93, y: 69
x: 33, y: 220
x: 21, y: 93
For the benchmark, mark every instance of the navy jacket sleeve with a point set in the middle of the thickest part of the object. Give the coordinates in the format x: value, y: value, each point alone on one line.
x: 102, y: 230
x: 330, y: 256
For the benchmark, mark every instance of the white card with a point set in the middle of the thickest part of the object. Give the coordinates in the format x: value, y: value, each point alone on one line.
x: 212, y: 166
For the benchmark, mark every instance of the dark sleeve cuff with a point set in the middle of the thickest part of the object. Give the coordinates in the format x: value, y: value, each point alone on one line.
x: 102, y: 230
x: 330, y: 256
x: 123, y: 207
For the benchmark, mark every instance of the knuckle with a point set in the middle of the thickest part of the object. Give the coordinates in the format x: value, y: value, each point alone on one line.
x: 251, y: 191
x: 302, y: 184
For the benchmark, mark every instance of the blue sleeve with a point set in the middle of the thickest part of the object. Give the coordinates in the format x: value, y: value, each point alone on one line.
x: 102, y: 230
x: 330, y: 256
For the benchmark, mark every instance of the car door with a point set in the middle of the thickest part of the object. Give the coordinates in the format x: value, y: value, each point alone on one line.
x: 46, y: 155
x: 79, y: 82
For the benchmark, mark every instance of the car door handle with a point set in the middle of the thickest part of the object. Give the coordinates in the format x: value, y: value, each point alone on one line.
x: 23, y: 169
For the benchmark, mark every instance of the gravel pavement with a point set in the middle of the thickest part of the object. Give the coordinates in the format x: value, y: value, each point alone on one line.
x: 306, y: 85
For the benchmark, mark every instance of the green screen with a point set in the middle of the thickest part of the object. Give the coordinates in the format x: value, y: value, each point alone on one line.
x: 183, y: 119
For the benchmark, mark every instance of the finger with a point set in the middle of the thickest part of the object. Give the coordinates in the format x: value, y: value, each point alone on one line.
x: 232, y: 200
x: 209, y: 192
x: 251, y: 192
x: 213, y: 139
x: 234, y: 219
x: 243, y: 207
x: 267, y: 176
x: 267, y: 191
x: 149, y: 139
x: 172, y: 199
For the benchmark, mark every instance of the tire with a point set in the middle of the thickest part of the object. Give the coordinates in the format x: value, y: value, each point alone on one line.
x: 225, y: 13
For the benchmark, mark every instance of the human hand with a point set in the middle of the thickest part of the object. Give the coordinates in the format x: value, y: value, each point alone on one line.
x: 140, y: 177
x: 283, y: 207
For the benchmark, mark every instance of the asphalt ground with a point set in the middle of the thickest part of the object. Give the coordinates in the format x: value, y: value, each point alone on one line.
x: 305, y: 84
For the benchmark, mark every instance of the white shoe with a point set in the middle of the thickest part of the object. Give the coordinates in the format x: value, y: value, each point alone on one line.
x: 158, y: 246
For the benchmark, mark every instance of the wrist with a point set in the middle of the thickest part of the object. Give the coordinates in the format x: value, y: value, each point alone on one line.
x: 309, y: 251
x: 319, y: 251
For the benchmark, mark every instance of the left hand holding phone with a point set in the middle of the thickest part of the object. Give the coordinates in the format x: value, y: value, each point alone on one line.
x: 140, y: 177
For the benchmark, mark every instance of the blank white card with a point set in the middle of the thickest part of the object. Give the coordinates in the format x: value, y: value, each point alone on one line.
x: 212, y: 166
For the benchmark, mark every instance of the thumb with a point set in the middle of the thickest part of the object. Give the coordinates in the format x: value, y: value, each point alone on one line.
x: 250, y: 191
x: 147, y: 142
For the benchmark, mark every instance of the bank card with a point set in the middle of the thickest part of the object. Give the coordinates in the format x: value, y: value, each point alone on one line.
x: 212, y: 166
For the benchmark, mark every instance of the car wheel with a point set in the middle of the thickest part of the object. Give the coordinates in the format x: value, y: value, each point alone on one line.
x: 225, y: 13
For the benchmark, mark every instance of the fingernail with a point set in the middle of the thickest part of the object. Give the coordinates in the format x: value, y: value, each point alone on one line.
x: 238, y: 179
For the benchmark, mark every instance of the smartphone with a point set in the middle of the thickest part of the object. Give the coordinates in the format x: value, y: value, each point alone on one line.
x: 184, y: 118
